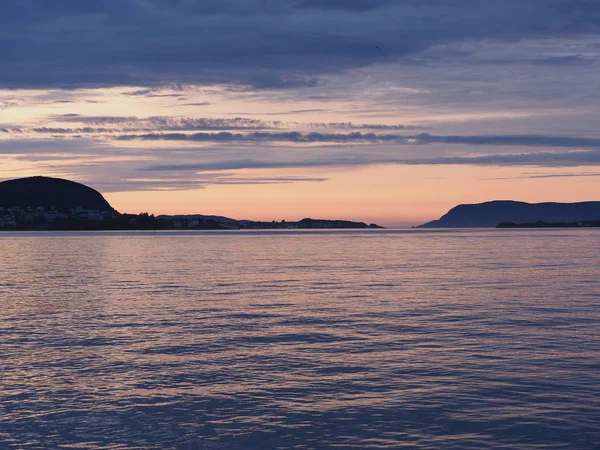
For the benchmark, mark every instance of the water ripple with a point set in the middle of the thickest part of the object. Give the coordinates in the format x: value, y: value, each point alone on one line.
x: 458, y: 340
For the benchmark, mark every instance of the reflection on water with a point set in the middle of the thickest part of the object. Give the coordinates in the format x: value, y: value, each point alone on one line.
x: 369, y: 339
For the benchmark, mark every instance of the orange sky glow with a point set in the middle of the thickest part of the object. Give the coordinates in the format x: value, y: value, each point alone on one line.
x: 370, y: 144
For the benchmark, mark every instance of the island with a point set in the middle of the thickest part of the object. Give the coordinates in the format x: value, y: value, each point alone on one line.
x: 491, y: 214
x: 46, y: 203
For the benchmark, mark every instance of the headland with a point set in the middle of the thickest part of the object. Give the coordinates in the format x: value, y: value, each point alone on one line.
x: 45, y: 203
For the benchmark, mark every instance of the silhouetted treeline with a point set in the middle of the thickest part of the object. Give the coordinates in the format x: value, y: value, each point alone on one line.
x: 540, y: 224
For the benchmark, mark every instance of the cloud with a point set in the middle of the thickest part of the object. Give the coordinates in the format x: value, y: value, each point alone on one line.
x: 292, y: 136
x: 244, y: 130
x: 348, y: 5
x: 562, y: 175
x: 254, y: 164
x: 162, y: 123
x: 8, y: 104
x: 548, y: 175
x: 147, y: 93
x: 570, y: 159
x: 294, y: 111
x: 199, y: 182
x: 258, y: 43
x: 104, y: 164
x: 361, y: 126
x: 197, y: 104
x: 54, y: 146
x: 417, y: 139
x: 539, y: 159
x: 514, y: 140
x: 53, y: 130
x: 563, y: 60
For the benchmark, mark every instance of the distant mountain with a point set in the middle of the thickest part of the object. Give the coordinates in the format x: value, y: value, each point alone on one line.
x: 490, y: 214
x: 66, y: 205
x: 199, y: 221
x: 45, y: 191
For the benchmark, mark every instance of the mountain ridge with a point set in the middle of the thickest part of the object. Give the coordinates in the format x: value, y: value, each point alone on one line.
x: 490, y: 214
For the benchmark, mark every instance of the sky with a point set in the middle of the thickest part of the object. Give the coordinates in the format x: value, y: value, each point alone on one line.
x: 386, y: 111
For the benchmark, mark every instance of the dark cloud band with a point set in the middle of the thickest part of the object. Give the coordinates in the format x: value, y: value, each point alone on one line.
x: 259, y: 43
x: 418, y: 139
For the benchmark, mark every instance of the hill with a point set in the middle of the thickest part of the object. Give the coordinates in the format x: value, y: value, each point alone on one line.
x: 45, y: 191
x: 44, y: 203
x: 199, y: 221
x: 490, y: 214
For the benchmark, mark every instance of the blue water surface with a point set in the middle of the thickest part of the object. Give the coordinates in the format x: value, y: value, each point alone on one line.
x: 308, y: 340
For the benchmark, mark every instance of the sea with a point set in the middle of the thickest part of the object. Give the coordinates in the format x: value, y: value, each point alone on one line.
x: 289, y: 339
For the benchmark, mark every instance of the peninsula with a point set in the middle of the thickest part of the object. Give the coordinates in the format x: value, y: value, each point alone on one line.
x: 491, y: 214
x: 45, y: 203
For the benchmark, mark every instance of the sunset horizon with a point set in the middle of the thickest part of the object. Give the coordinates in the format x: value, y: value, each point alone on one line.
x: 300, y: 224
x: 296, y: 117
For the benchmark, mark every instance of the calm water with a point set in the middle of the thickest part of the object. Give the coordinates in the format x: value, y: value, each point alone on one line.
x: 370, y: 339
